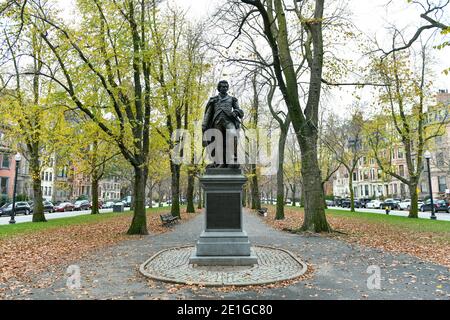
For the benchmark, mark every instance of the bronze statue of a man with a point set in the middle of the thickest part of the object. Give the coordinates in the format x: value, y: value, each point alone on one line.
x: 223, y: 113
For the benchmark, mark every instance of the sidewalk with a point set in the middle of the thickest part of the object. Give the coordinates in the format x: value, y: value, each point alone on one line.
x: 340, y: 270
x: 423, y: 215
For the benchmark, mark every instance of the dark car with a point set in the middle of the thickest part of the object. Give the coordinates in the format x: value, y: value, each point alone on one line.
x: 21, y: 207
x: 338, y: 202
x: 439, y: 206
x: 346, y: 203
x: 48, y: 206
x: 82, y: 205
x: 391, y: 204
x: 64, y: 206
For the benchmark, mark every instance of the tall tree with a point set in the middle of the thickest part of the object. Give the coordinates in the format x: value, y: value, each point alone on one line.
x: 284, y: 122
x: 31, y: 115
x: 179, y: 65
x: 304, y: 121
x: 346, y: 141
x: 404, y: 126
x: 110, y: 48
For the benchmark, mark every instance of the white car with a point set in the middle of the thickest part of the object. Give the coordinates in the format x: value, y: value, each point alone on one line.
x: 406, y: 204
x: 108, y: 205
x: 374, y: 204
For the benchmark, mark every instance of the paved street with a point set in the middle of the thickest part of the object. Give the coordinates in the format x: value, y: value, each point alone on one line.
x: 423, y: 215
x: 340, y: 270
x: 22, y: 218
x: 55, y: 215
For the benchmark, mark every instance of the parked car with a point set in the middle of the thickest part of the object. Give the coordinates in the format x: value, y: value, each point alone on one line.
x: 64, y: 206
x: 439, y: 206
x: 364, y: 201
x: 406, y: 204
x: 346, y: 203
x: 108, y: 205
x: 48, y: 206
x: 100, y: 204
x: 22, y: 207
x: 338, y: 202
x: 374, y: 204
x: 330, y: 203
x: 391, y: 203
x: 81, y: 205
x: 127, y: 201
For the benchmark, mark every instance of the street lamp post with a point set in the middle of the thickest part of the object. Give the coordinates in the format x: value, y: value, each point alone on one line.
x: 427, y: 156
x: 17, y: 157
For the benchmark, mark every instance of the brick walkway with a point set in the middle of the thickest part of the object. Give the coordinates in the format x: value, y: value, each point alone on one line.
x: 340, y: 270
x: 274, y: 265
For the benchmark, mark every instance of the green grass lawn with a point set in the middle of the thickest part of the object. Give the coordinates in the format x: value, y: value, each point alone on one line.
x: 424, y: 225
x: 25, y: 227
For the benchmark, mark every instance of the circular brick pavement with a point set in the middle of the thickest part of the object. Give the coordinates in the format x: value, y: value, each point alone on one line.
x: 274, y: 265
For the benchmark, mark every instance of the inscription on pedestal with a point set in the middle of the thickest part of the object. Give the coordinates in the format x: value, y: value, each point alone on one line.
x: 224, y: 211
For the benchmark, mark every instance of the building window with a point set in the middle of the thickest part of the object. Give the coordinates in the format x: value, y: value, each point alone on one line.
x: 366, y: 176
x: 400, y: 154
x: 50, y: 177
x: 4, y: 185
x: 440, y: 161
x: 401, y: 170
x: 442, y: 184
x: 5, y: 161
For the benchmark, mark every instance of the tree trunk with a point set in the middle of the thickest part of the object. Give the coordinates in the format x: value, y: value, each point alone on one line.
x: 160, y: 198
x: 324, y: 200
x: 293, y: 196
x: 256, y: 200
x: 302, y: 197
x: 150, y: 193
x: 244, y: 196
x: 414, y: 209
x: 175, y: 188
x: 352, y: 193
x: 139, y: 222
x: 38, y: 209
x: 94, y: 194
x: 190, y: 192
x: 200, y: 198
x: 280, y: 176
x: 315, y: 219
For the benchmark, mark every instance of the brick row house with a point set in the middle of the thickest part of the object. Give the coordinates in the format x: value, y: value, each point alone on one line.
x: 7, y: 168
x: 370, y: 182
x: 58, y: 182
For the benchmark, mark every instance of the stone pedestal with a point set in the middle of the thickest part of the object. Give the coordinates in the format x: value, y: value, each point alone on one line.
x: 224, y: 242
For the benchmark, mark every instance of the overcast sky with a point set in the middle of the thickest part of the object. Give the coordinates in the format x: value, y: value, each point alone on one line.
x: 370, y: 16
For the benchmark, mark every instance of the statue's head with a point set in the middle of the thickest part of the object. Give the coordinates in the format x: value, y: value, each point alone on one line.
x: 223, y: 86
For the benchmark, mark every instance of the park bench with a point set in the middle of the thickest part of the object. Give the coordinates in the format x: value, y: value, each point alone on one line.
x: 167, y: 219
x: 262, y: 212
